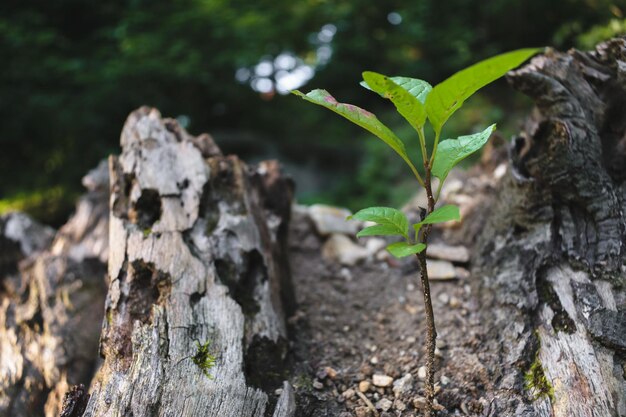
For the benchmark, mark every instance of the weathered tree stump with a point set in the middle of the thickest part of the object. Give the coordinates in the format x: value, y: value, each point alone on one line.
x: 550, y: 261
x: 51, y: 295
x: 199, y: 280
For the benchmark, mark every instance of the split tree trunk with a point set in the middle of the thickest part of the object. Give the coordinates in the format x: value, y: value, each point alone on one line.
x: 551, y: 257
x: 197, y: 259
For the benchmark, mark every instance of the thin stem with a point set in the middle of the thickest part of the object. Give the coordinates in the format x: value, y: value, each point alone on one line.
x: 420, y: 132
x: 432, y: 156
x: 417, y: 175
x: 428, y: 305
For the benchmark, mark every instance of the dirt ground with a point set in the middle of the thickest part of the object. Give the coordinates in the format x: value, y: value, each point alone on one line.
x: 354, y: 323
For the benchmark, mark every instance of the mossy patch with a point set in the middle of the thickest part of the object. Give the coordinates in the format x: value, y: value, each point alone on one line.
x: 537, y: 382
x: 204, y: 359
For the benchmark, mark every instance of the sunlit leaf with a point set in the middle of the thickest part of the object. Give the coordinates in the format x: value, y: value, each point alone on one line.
x: 379, y: 230
x: 448, y: 96
x: 443, y: 214
x: 360, y: 117
x: 452, y: 151
x: 417, y: 88
x: 407, y: 105
x: 403, y: 249
x: 385, y: 216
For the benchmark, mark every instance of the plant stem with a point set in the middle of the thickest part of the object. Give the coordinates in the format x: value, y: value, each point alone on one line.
x: 428, y: 305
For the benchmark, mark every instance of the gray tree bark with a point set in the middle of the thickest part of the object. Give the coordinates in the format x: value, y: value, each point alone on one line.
x: 52, y: 291
x: 551, y: 257
x: 199, y: 281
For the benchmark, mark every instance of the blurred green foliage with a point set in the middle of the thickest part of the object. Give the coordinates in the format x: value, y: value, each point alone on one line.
x: 73, y: 69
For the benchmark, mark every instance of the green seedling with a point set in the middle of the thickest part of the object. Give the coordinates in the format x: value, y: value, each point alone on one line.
x: 418, y: 102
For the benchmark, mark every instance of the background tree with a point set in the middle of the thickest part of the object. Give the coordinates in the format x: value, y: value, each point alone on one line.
x: 72, y: 68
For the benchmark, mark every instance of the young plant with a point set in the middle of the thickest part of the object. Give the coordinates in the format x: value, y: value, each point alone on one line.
x: 418, y: 102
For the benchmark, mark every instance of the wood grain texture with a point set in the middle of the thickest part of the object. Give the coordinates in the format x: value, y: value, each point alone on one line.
x: 194, y: 261
x: 551, y: 257
x: 52, y: 292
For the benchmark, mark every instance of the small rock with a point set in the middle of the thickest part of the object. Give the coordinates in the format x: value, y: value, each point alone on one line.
x: 440, y: 270
x: 364, y: 386
x: 462, y: 273
x: 374, y: 360
x: 412, y: 310
x: 448, y: 253
x: 382, y: 380
x: 383, y: 255
x: 349, y: 393
x: 317, y: 384
x: 421, y: 372
x: 362, y: 412
x: 384, y: 404
x: 500, y: 171
x: 441, y: 343
x: 438, y: 352
x: 403, y: 385
x: 399, y: 405
x: 278, y: 391
x: 410, y: 339
x: 339, y: 248
x: 454, y: 302
x: 410, y: 287
x: 444, y: 380
x: 419, y: 402
x: 346, y: 274
x: 373, y: 245
x: 444, y: 298
x: 330, y: 372
x: 321, y: 374
x: 329, y: 220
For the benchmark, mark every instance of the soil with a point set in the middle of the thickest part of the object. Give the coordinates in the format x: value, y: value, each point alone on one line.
x: 355, y: 322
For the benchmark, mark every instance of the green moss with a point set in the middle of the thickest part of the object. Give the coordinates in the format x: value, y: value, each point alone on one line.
x: 146, y: 232
x: 204, y: 359
x: 537, y: 382
x: 303, y: 382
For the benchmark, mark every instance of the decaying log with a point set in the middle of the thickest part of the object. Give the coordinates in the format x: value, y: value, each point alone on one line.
x: 199, y: 281
x: 551, y: 257
x: 51, y: 294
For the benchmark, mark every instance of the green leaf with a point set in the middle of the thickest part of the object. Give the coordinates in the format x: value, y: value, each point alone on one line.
x: 448, y: 96
x: 378, y: 230
x: 452, y: 151
x: 385, y: 216
x: 402, y: 249
x: 407, y: 105
x: 417, y: 88
x: 360, y: 117
x: 443, y: 214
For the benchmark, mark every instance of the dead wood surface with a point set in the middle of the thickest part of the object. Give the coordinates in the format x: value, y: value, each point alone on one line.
x: 196, y: 260
x: 52, y: 289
